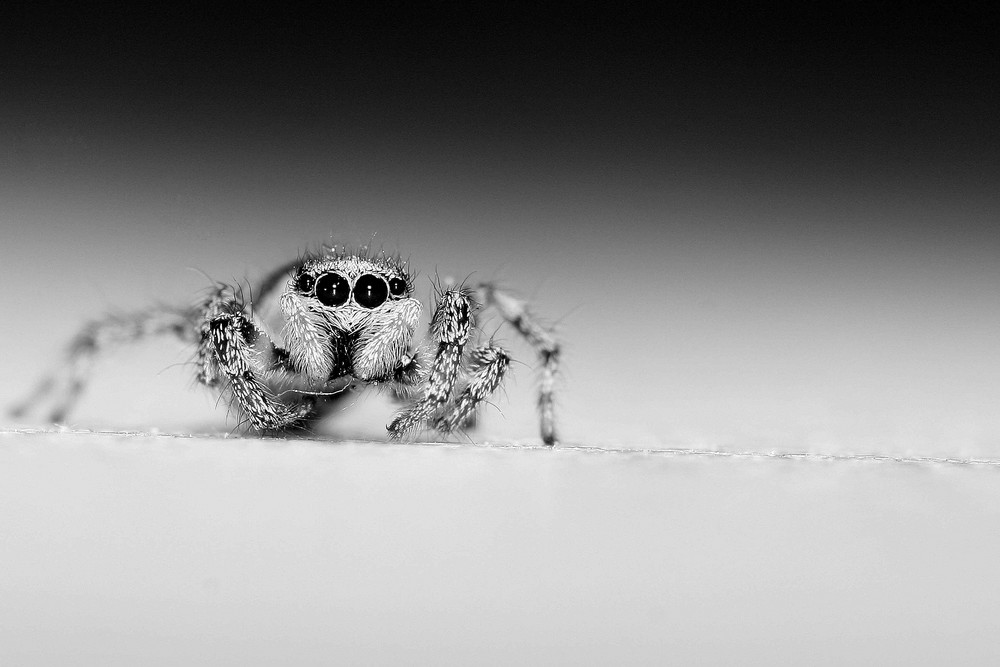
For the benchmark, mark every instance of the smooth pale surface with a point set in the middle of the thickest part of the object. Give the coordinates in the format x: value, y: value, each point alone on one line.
x: 138, y: 549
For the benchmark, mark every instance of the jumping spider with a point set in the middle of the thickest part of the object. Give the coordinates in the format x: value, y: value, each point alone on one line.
x: 347, y: 317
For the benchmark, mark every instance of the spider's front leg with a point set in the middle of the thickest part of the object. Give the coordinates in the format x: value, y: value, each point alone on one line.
x: 233, y: 346
x: 450, y: 327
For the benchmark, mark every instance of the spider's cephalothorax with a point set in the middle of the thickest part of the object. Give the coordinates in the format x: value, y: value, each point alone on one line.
x: 346, y: 317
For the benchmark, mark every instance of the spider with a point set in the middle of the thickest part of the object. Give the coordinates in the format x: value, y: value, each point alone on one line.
x: 345, y: 318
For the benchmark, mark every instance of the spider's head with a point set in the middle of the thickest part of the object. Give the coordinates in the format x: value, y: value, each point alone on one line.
x: 348, y: 313
x: 352, y: 282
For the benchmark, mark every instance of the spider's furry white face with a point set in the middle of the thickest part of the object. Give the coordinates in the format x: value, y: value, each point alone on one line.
x: 353, y: 308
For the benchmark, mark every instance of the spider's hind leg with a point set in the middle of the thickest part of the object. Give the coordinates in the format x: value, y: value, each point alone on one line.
x: 65, y: 384
x: 515, y: 312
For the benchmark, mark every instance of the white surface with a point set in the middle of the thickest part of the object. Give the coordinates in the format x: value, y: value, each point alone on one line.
x: 130, y: 549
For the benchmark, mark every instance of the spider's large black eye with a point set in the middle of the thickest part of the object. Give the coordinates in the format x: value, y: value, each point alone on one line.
x: 332, y: 289
x: 304, y: 283
x: 397, y: 286
x: 370, y: 291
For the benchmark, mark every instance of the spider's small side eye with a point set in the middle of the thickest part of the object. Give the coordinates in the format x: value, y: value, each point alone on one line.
x: 304, y: 283
x: 370, y: 291
x: 332, y: 289
x: 397, y: 286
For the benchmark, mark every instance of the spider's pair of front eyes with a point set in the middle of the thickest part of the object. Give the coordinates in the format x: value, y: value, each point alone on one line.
x: 333, y: 289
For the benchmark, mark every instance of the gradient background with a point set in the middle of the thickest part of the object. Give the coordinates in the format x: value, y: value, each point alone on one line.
x: 757, y: 230
x: 774, y: 225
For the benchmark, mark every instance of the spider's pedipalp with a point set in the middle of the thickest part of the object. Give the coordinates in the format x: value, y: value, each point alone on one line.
x: 313, y: 346
x: 383, y: 343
